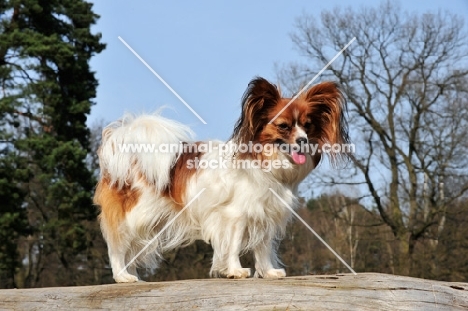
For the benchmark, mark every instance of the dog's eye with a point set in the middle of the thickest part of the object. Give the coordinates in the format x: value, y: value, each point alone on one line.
x: 283, y: 126
x: 307, y: 125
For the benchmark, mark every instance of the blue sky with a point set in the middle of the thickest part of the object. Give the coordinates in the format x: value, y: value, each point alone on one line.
x: 207, y: 51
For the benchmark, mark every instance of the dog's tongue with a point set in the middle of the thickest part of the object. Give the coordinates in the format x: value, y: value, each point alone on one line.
x: 298, y: 157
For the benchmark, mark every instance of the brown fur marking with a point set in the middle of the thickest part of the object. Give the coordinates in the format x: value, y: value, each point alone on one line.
x: 114, y: 203
x: 180, y: 175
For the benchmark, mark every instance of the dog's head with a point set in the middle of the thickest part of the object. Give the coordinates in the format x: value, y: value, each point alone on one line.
x: 297, y: 126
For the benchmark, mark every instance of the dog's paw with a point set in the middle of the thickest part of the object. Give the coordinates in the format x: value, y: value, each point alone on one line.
x: 240, y: 273
x: 271, y: 274
x: 126, y: 278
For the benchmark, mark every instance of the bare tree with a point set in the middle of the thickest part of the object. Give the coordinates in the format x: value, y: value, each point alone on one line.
x: 406, y: 81
x: 92, y: 160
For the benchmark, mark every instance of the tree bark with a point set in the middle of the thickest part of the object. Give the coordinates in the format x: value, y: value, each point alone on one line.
x: 367, y: 291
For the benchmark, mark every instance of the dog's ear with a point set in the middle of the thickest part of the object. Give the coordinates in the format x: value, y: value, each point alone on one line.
x: 327, y: 113
x: 259, y: 98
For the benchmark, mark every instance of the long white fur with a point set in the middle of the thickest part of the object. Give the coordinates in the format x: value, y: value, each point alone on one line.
x: 150, y: 130
x: 236, y: 213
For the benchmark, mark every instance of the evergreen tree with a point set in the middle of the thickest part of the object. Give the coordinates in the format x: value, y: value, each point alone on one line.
x: 13, y: 218
x: 47, y: 91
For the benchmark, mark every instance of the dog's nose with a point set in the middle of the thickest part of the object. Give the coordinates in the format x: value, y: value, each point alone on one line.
x: 301, y: 141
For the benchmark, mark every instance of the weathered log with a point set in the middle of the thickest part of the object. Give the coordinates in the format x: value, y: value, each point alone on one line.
x: 365, y: 291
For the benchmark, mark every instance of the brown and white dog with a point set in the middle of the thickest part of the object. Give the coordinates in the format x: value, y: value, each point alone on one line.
x: 143, y: 186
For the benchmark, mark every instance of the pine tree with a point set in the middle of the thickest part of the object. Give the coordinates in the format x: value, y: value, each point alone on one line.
x: 47, y: 91
x: 13, y: 218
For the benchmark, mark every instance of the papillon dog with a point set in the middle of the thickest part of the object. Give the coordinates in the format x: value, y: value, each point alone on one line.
x: 159, y: 190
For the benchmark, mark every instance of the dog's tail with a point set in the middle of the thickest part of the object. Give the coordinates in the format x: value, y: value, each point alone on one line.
x: 145, y: 146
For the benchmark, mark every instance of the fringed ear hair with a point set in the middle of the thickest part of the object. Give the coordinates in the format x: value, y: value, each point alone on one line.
x: 259, y: 97
x: 327, y: 112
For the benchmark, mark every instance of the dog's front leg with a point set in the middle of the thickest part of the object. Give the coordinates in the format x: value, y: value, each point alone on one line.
x: 227, y: 249
x: 265, y: 256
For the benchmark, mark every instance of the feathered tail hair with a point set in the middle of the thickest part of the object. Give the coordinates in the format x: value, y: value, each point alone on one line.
x: 129, y: 147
